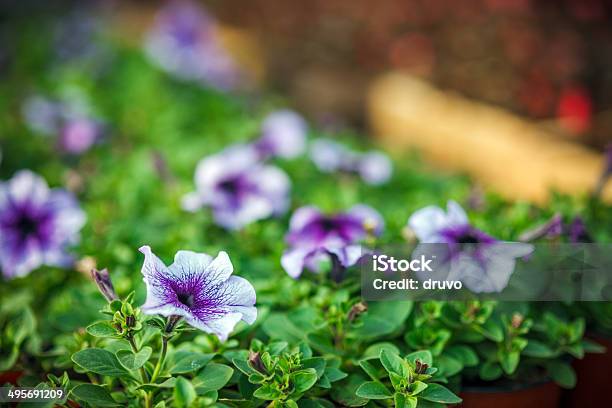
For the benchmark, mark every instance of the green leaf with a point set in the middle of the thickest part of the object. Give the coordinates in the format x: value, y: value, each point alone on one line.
x: 509, y: 361
x: 184, y: 393
x: 99, y: 361
x: 383, y: 318
x: 493, y: 330
x: 448, y: 366
x: 94, y: 395
x: 373, y: 390
x: 318, y: 363
x: 438, y: 393
x: 392, y: 362
x: 132, y: 361
x: 424, y: 356
x: 102, y: 329
x: 490, y: 371
x: 465, y: 354
x: 375, y: 349
x: 334, y: 374
x: 404, y: 401
x: 303, y: 380
x: 243, y: 366
x: 212, y: 378
x: 344, y: 392
x: 538, y: 349
x: 592, y: 347
x: 267, y: 392
x: 562, y: 373
x: 190, y: 362
x: 370, y: 369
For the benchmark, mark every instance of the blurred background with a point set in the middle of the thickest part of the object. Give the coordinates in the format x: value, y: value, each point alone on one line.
x: 533, y: 74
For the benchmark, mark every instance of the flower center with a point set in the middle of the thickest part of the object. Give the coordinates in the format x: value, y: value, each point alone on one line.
x: 229, y: 186
x: 186, y: 299
x: 468, y: 238
x: 328, y: 224
x: 26, y: 226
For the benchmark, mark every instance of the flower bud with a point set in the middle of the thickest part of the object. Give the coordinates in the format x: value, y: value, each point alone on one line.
x: 356, y: 310
x: 256, y: 362
x: 105, y: 285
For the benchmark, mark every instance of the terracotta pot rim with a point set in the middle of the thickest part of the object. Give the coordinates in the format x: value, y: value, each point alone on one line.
x: 512, y: 387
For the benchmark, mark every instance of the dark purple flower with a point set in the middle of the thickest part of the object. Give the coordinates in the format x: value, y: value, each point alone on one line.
x: 184, y: 42
x: 238, y: 188
x: 37, y: 224
x: 329, y: 156
x: 200, y: 289
x: 578, y: 232
x: 481, y: 262
x: 314, y: 236
x: 283, y: 134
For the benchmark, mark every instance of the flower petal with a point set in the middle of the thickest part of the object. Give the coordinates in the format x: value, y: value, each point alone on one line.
x: 293, y: 261
x: 189, y: 263
x: 303, y: 216
x: 455, y: 215
x: 368, y: 217
x: 427, y: 222
x: 219, y: 269
x: 375, y: 168
x: 26, y: 186
x: 240, y: 297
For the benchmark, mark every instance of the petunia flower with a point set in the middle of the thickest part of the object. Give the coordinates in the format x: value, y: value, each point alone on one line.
x: 373, y: 167
x: 200, y: 289
x: 481, y: 262
x: 79, y: 135
x: 69, y: 120
x: 37, y: 224
x: 238, y: 188
x: 184, y: 42
x: 314, y: 236
x: 283, y: 134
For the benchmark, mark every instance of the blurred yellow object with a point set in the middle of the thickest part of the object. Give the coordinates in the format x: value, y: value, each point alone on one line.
x: 506, y: 153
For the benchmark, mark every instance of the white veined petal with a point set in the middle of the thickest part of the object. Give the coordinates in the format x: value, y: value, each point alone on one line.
x: 219, y: 269
x: 189, y: 263
x: 221, y: 326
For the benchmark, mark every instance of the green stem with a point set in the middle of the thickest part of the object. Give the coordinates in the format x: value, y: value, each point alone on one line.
x: 143, y: 374
x: 162, y: 357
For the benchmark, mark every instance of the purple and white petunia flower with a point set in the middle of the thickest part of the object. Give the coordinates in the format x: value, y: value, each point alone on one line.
x: 70, y: 121
x: 283, y: 134
x: 37, y: 224
x: 200, y: 289
x: 238, y: 188
x: 373, y: 167
x: 184, y: 42
x: 314, y: 236
x: 481, y: 262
